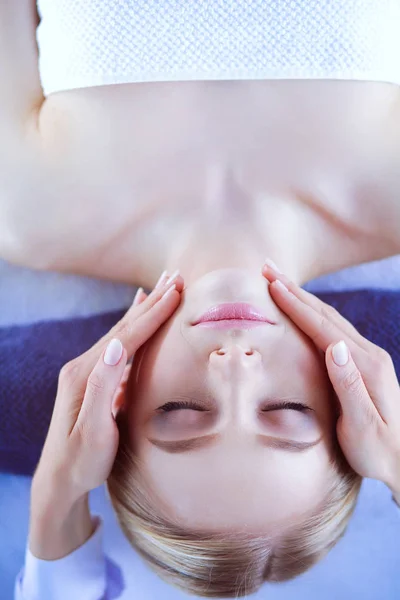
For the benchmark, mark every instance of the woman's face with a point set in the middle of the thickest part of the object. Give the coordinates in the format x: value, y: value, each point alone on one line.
x: 224, y: 460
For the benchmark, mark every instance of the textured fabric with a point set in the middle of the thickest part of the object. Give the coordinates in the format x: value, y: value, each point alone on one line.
x: 27, y: 295
x: 31, y: 358
x: 54, y: 296
x: 86, y: 43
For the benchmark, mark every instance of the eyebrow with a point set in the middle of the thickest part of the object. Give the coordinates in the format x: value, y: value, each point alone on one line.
x: 283, y: 444
x: 181, y: 446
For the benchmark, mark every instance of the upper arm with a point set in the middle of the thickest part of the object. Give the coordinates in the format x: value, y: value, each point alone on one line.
x: 21, y: 98
x: 21, y: 94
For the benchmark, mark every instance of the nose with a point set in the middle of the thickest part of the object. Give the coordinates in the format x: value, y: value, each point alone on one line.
x: 233, y: 357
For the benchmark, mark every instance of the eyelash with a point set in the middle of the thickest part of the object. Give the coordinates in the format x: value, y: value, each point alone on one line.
x: 287, y: 406
x: 170, y: 406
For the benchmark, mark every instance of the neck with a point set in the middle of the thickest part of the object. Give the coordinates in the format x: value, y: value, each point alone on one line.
x: 207, y: 246
x: 231, y: 228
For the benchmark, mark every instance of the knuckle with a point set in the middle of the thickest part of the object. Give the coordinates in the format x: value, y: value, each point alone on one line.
x: 368, y: 420
x: 92, y: 436
x: 85, y: 432
x: 383, y: 356
x: 381, y: 361
x: 96, y: 384
x: 351, y: 382
x: 69, y: 371
x: 324, y: 326
x: 328, y: 312
x: 324, y: 322
x: 123, y: 328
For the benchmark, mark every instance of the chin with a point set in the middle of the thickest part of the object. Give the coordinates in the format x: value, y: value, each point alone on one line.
x: 230, y: 285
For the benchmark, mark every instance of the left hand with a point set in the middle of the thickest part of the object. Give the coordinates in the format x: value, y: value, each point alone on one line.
x: 367, y: 387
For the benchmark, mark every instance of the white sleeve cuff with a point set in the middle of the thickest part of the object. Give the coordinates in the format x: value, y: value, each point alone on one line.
x: 81, y: 574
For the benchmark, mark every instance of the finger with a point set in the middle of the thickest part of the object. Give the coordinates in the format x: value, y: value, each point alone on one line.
x: 135, y: 334
x: 162, y: 280
x: 320, y: 329
x: 140, y: 296
x: 376, y: 365
x: 166, y: 279
x: 324, y: 309
x: 160, y: 305
x: 357, y: 407
x: 125, y: 327
x: 135, y: 312
x: 102, y: 384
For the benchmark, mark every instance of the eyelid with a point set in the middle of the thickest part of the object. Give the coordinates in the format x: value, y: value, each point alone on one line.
x: 286, y: 405
x: 182, y: 405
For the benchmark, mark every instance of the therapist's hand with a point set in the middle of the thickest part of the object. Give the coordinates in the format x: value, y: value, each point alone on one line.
x: 83, y: 438
x: 365, y: 382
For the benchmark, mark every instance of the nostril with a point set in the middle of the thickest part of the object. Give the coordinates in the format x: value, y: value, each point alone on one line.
x: 249, y: 352
x: 220, y: 352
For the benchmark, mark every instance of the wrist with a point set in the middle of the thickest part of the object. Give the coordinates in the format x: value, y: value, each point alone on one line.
x: 58, y: 528
x: 394, y: 486
x: 50, y: 499
x: 396, y: 495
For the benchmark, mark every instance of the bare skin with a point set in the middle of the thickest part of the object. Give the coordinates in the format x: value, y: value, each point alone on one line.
x: 122, y: 181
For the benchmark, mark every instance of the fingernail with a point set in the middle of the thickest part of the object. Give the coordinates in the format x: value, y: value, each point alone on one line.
x: 160, y: 281
x: 340, y: 353
x: 281, y: 285
x: 173, y: 276
x: 113, y: 352
x: 137, y: 296
x: 169, y: 291
x: 271, y: 263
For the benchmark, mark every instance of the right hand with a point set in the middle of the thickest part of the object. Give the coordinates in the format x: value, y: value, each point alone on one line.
x: 82, y: 440
x: 367, y: 387
x: 83, y: 437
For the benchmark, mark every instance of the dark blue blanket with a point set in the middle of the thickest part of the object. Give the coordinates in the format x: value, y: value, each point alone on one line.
x: 32, y: 356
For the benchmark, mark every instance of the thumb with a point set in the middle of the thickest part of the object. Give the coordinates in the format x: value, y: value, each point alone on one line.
x: 355, y: 402
x: 102, y: 385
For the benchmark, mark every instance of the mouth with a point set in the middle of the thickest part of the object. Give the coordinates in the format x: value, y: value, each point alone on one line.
x: 234, y: 315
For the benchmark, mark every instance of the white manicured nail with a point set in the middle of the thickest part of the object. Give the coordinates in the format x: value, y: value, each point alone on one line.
x: 173, y: 276
x: 113, y: 352
x: 271, y: 263
x: 137, y: 296
x: 340, y: 353
x: 162, y: 277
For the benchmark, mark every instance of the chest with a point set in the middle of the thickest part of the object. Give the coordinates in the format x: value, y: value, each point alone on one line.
x: 156, y: 148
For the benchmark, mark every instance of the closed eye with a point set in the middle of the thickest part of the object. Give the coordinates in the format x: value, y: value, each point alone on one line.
x: 187, y: 405
x: 287, y: 406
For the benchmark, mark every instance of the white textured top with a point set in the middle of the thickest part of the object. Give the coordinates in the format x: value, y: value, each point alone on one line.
x: 86, y: 43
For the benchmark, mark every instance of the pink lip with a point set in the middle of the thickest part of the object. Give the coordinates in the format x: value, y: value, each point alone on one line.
x: 238, y: 314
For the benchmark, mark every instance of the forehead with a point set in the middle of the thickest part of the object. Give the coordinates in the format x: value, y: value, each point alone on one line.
x: 232, y: 486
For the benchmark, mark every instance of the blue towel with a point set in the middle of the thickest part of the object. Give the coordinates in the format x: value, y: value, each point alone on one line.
x: 31, y: 357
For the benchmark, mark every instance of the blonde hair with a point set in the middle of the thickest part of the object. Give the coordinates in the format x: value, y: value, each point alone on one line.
x: 225, y: 565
